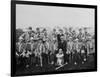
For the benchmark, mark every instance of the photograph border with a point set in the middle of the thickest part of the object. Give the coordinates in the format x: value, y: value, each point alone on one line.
x: 13, y: 33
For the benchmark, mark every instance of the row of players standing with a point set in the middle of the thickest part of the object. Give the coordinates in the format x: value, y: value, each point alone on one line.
x: 70, y: 45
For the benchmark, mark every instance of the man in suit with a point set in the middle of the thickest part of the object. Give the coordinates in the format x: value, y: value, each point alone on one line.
x: 59, y: 37
x: 63, y: 46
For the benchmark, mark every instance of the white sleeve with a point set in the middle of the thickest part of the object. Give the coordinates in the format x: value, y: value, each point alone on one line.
x: 21, y: 37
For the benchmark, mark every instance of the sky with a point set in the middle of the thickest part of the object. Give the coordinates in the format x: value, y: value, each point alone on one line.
x: 52, y: 16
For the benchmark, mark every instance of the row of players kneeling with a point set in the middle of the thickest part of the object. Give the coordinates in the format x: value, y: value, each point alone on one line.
x: 57, y: 59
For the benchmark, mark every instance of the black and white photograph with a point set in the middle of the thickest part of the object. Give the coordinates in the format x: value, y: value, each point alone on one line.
x: 53, y: 39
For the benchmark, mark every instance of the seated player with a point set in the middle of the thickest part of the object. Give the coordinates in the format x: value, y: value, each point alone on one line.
x: 60, y: 57
x: 83, y: 54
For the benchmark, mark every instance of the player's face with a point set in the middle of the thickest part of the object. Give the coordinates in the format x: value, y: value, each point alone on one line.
x: 62, y: 38
x: 40, y: 41
x: 70, y: 29
x: 60, y: 50
x: 61, y: 31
